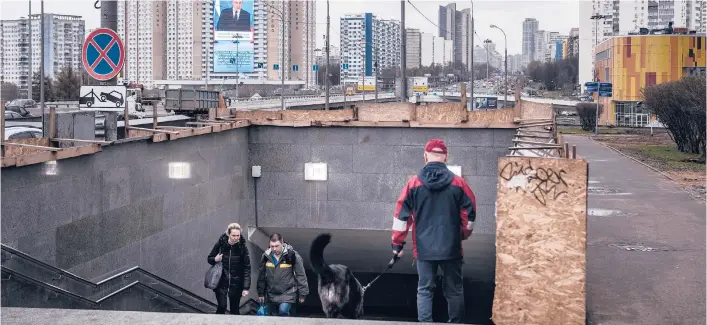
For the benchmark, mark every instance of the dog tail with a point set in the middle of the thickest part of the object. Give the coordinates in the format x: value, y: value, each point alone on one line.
x: 316, y: 254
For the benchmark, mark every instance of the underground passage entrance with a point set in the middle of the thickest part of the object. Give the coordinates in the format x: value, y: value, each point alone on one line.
x: 393, y: 297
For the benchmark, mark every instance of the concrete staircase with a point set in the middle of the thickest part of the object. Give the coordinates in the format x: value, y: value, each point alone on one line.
x: 28, y: 282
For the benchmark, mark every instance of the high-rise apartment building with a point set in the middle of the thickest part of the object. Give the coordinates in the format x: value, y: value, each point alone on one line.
x: 456, y: 26
x: 63, y: 39
x: 299, y: 29
x: 365, y: 40
x: 412, y: 47
x: 530, y: 29
x: 174, y: 40
x: 447, y: 21
x: 165, y: 40
x: 435, y: 50
x: 515, y: 63
x: 542, y: 38
x: 334, y: 56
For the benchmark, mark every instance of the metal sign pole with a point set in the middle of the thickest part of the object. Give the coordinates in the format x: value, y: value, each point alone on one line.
x: 596, y: 121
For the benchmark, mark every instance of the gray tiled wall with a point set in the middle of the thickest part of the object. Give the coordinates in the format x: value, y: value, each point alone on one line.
x: 367, y: 168
x: 118, y: 208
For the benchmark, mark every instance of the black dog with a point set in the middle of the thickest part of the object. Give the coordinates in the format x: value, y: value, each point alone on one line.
x: 340, y: 292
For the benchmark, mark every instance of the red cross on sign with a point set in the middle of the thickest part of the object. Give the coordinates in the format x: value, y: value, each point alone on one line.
x: 103, y: 54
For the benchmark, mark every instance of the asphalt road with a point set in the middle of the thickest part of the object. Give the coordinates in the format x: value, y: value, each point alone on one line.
x: 645, y: 244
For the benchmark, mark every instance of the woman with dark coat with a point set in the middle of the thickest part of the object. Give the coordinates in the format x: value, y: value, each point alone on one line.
x: 232, y: 252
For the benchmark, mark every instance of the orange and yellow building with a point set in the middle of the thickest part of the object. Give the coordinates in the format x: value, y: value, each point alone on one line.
x: 634, y: 62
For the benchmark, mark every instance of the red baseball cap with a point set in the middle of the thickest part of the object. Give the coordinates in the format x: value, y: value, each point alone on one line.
x: 436, y: 146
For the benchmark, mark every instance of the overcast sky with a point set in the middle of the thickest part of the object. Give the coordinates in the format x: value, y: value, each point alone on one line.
x: 557, y: 16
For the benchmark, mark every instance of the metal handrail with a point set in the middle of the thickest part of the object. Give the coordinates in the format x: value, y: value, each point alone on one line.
x: 45, y: 265
x: 133, y: 269
x: 96, y: 303
x: 46, y: 285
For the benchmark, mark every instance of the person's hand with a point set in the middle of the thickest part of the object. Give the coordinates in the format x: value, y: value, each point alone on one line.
x: 261, y: 299
x: 245, y: 293
x: 398, y: 254
x: 218, y: 257
x: 301, y: 300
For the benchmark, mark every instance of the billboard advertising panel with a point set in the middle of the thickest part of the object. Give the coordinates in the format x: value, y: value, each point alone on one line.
x: 233, y: 36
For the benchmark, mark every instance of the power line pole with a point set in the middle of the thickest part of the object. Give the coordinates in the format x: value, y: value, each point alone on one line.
x: 403, y: 54
x: 29, y: 27
x: 282, y: 68
x: 326, y: 69
x: 471, y: 64
x: 41, y: 67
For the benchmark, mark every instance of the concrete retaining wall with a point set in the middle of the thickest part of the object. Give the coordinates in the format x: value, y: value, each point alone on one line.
x: 367, y: 168
x: 106, y: 212
x: 119, y: 208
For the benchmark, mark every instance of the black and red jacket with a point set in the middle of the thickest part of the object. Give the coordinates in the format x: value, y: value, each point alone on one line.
x: 441, y: 209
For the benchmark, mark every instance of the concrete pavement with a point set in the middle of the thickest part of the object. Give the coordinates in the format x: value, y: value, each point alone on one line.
x: 33, y: 316
x: 645, y: 244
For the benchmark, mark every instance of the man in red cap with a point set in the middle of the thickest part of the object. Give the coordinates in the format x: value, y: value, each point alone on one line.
x: 440, y: 208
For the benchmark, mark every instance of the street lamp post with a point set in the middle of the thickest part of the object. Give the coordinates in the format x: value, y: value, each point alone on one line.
x: 29, y: 60
x: 238, y: 70
x: 487, y: 57
x: 505, y: 65
x: 281, y: 14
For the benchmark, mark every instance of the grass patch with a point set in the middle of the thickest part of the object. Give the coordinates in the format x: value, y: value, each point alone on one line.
x: 671, y: 156
x: 580, y: 131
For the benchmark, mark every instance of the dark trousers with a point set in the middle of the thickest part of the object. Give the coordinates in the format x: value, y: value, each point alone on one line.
x: 223, y: 294
x: 453, y: 289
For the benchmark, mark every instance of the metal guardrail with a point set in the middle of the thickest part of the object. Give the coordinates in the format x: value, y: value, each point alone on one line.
x: 97, y: 292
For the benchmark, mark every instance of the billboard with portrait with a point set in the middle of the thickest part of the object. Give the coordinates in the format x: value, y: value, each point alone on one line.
x: 233, y: 36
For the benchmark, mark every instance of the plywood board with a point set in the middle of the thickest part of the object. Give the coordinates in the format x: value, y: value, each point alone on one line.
x: 140, y: 133
x: 541, y: 233
x: 533, y: 110
x: 259, y: 115
x: 388, y: 112
x: 441, y: 113
x: 318, y: 115
x: 11, y: 151
x: 503, y: 115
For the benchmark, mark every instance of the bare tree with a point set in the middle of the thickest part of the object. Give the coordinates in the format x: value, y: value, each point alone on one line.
x: 680, y: 106
x: 587, y: 113
x: 10, y: 91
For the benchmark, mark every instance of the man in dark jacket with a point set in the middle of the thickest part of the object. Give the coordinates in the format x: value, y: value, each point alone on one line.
x: 281, y: 278
x: 441, y: 209
x: 232, y: 251
x: 234, y: 19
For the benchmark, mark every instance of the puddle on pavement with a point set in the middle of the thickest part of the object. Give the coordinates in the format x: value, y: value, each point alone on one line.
x: 603, y: 212
x: 638, y: 248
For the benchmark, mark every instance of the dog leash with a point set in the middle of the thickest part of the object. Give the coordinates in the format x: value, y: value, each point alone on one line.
x: 392, y: 262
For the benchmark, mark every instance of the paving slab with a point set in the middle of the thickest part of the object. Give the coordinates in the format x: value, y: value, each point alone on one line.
x: 33, y: 316
x: 645, y: 243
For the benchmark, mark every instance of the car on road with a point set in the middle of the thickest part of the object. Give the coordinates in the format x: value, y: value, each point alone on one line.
x: 113, y: 96
x: 22, y: 132
x: 20, y: 106
x: 10, y: 115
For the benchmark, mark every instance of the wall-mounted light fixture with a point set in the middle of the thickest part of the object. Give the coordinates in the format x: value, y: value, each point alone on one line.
x: 179, y: 170
x: 256, y: 171
x: 315, y: 172
x: 50, y: 168
x: 457, y: 170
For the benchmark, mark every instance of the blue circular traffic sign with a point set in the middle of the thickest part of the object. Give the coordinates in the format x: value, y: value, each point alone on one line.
x: 103, y: 54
